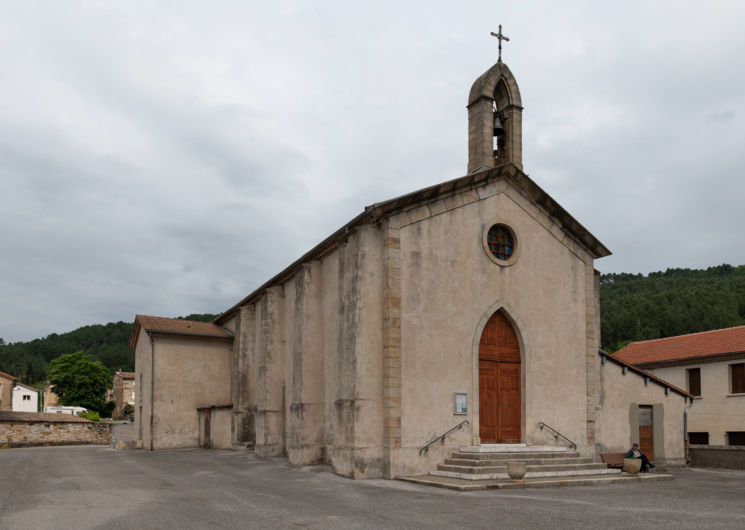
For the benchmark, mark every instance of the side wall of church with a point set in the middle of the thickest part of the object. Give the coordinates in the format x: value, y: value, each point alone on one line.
x: 450, y: 287
x: 308, y: 363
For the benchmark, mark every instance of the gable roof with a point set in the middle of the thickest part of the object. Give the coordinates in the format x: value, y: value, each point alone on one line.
x: 705, y: 346
x: 605, y: 356
x: 175, y: 326
x: 27, y: 387
x: 374, y: 212
x: 7, y: 376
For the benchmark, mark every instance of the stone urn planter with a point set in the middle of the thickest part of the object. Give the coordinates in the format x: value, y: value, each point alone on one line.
x: 632, y: 466
x: 516, y: 471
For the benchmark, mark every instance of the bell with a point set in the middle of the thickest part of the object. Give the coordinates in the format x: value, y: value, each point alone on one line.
x: 498, y: 126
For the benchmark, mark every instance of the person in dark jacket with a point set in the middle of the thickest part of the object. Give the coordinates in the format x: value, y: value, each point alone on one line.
x: 635, y: 452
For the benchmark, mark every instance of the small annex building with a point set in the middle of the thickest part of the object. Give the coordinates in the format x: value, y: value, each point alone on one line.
x: 180, y: 366
x: 711, y: 366
x: 473, y: 302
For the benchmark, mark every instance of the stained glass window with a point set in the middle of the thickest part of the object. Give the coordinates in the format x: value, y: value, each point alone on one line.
x: 501, y: 242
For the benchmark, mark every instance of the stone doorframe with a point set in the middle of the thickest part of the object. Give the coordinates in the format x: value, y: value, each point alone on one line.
x: 518, y: 326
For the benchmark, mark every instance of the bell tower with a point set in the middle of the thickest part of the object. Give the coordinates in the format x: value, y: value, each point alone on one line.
x: 495, y: 118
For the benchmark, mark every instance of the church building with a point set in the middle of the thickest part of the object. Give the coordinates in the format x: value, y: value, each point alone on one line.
x: 468, y: 309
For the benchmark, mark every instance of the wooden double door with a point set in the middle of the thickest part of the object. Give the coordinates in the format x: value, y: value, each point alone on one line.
x: 500, y: 409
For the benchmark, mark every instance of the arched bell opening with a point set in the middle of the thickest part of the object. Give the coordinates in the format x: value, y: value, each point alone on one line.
x: 501, y: 121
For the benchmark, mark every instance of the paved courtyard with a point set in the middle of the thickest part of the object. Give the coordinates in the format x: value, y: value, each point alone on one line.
x: 98, y: 487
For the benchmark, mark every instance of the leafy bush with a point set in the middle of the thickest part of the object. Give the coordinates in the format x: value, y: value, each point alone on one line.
x: 91, y: 415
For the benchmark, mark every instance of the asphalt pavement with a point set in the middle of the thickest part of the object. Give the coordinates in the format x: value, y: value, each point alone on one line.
x: 98, y: 487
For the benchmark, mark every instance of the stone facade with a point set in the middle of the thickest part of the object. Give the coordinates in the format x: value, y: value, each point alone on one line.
x: 20, y: 429
x: 123, y: 393
x: 7, y: 382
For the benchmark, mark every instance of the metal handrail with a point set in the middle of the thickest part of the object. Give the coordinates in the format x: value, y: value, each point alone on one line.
x: 441, y: 438
x: 541, y: 425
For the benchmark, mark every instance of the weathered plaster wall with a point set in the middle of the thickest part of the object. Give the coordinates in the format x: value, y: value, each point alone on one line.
x: 189, y: 373
x: 619, y: 402
x: 449, y: 288
x: 311, y: 352
x: 143, y: 376
x: 717, y: 411
x: 33, y: 433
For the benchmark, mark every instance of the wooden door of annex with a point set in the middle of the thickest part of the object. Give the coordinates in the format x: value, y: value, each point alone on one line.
x: 499, y: 382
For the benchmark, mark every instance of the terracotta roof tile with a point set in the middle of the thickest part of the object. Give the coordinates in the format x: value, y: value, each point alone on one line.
x: 175, y: 326
x: 703, y: 344
x: 126, y: 375
x: 3, y: 374
x: 49, y: 417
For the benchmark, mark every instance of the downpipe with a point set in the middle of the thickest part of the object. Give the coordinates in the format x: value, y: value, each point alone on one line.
x: 152, y: 388
x: 685, y: 429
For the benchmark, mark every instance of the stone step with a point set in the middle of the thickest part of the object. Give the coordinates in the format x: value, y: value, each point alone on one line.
x: 531, y: 468
x: 586, y: 480
x: 529, y: 475
x: 514, y: 448
x: 514, y: 456
x: 455, y: 461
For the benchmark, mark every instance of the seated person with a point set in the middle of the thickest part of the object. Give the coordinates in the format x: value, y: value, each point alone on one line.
x: 635, y: 452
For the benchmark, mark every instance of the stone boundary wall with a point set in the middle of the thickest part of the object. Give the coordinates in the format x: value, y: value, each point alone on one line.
x: 35, y: 433
x: 721, y: 456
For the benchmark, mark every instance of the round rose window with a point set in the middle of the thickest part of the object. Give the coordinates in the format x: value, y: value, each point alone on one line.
x: 501, y: 242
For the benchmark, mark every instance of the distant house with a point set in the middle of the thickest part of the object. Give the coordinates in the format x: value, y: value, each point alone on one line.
x: 7, y: 382
x: 123, y: 393
x: 64, y: 409
x: 711, y: 366
x: 25, y: 398
x: 50, y: 398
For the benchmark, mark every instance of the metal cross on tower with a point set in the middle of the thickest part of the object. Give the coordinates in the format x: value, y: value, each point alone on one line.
x: 501, y: 38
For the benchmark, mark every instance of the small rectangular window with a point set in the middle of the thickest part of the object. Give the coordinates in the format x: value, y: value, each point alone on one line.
x: 698, y: 438
x: 694, y: 381
x: 26, y: 397
x: 736, y: 438
x: 737, y: 378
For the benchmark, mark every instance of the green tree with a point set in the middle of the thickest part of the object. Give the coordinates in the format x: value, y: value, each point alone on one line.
x: 79, y: 380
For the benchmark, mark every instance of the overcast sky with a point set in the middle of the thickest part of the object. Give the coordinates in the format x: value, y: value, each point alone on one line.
x: 168, y: 158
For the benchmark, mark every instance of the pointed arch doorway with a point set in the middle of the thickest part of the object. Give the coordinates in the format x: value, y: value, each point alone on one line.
x: 500, y: 411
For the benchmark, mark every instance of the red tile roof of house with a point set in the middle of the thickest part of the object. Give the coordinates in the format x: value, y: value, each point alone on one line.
x: 693, y: 345
x: 175, y: 326
x: 47, y: 417
x: 8, y: 376
x: 126, y: 375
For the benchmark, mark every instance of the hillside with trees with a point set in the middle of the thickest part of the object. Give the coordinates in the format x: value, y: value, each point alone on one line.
x: 633, y: 307
x: 107, y: 343
x: 663, y: 304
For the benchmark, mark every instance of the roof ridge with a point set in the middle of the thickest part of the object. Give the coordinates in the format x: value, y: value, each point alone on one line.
x: 681, y: 336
